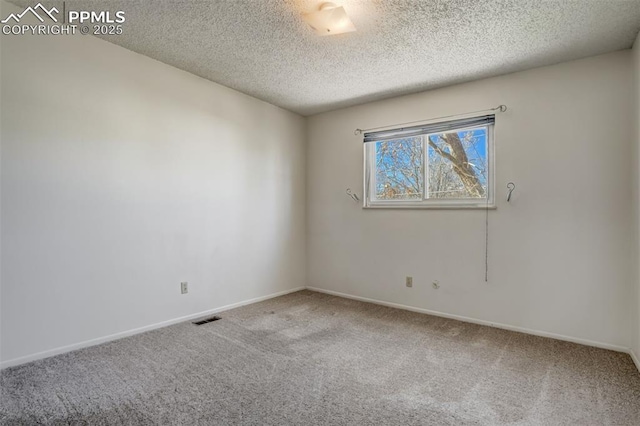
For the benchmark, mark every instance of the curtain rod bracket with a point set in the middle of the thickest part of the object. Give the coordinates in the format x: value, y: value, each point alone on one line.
x: 510, y: 187
x: 353, y: 195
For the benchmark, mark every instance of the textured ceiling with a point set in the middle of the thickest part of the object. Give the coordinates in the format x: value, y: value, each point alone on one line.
x: 264, y: 49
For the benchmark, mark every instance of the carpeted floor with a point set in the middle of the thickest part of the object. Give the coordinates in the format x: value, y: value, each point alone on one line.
x: 309, y: 358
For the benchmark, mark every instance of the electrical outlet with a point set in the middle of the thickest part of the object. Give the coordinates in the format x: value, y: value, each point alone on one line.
x: 436, y: 284
x: 409, y: 281
x: 184, y: 287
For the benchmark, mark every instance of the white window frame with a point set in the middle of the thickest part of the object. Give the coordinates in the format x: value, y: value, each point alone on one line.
x: 370, y: 200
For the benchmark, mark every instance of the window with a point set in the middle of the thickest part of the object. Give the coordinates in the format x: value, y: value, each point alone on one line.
x: 447, y: 164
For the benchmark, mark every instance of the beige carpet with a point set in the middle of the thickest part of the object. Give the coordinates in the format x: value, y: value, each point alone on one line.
x: 309, y: 358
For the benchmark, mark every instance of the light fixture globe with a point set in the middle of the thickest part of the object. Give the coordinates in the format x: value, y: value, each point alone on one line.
x: 329, y: 20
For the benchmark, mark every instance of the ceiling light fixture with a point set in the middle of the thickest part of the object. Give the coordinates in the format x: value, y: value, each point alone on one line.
x: 329, y: 20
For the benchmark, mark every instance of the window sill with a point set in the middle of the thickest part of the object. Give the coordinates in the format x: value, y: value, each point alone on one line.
x: 432, y: 207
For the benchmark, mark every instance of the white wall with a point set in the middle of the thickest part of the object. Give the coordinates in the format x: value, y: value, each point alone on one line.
x: 122, y: 177
x: 560, y: 253
x: 636, y: 198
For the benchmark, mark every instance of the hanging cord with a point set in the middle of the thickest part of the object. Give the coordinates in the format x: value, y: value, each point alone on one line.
x: 510, y: 187
x: 486, y: 240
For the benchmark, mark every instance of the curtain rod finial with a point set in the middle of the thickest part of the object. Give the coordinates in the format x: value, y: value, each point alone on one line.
x: 502, y: 108
x: 357, y: 132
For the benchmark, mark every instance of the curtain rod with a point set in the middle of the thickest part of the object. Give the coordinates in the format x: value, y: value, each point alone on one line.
x: 501, y: 108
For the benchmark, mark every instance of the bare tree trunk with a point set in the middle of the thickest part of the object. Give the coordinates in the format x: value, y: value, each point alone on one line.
x: 460, y: 163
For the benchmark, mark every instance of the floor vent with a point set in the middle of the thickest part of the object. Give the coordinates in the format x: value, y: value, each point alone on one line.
x: 207, y: 320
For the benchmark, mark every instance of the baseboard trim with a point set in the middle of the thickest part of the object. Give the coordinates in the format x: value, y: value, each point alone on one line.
x: 93, y: 342
x: 635, y: 359
x: 480, y: 322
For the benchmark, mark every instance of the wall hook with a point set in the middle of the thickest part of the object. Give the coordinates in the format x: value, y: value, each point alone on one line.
x: 510, y: 186
x: 353, y: 195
